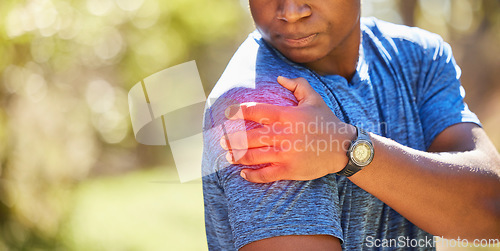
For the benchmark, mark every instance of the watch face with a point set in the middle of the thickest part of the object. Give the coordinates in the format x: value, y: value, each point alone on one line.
x: 362, y: 153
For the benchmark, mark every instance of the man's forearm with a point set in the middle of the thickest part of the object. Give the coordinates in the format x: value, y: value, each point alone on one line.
x: 446, y: 194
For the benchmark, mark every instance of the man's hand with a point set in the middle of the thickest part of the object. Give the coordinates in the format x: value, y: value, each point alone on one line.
x: 303, y: 142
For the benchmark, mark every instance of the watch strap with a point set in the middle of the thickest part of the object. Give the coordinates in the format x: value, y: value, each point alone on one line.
x: 362, y: 134
x: 351, y: 168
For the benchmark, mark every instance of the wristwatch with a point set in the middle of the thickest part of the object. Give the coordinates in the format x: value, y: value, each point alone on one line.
x: 360, y: 154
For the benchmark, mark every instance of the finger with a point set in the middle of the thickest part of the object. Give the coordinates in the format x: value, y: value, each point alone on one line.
x: 266, y: 174
x: 255, y: 156
x: 258, y: 112
x: 255, y: 138
x: 302, y: 90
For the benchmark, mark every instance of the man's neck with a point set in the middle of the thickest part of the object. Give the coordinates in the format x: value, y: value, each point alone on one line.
x: 343, y: 60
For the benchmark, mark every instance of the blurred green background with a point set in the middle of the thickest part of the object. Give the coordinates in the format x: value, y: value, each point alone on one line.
x: 72, y: 176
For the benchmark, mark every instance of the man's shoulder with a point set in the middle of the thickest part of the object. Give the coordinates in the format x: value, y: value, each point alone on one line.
x: 252, y: 72
x: 240, y: 71
x: 251, y: 76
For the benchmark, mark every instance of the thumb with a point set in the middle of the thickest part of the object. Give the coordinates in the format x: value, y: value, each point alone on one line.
x: 300, y: 88
x: 263, y: 175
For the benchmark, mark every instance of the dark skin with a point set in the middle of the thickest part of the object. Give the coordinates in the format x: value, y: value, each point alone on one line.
x: 322, y: 35
x: 452, y: 190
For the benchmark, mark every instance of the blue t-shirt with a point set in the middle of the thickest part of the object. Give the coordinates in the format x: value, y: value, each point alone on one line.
x: 406, y: 88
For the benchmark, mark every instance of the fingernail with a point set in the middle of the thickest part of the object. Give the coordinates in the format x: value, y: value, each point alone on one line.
x: 229, y: 158
x: 231, y: 111
x: 223, y: 143
x: 243, y: 175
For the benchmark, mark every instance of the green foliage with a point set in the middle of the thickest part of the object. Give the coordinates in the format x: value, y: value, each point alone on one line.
x: 66, y: 69
x: 142, y: 210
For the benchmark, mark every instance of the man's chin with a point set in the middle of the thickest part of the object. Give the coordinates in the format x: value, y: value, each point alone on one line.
x: 302, y: 58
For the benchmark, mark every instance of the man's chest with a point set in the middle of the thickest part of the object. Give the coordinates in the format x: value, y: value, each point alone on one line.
x: 384, y: 106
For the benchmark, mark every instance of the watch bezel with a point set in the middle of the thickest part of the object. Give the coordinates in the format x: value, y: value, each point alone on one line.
x: 351, y: 152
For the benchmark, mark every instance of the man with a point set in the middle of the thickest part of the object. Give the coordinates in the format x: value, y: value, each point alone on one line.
x: 419, y: 165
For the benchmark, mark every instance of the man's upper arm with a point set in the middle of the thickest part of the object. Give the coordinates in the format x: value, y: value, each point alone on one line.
x: 302, y: 213
x: 463, y: 137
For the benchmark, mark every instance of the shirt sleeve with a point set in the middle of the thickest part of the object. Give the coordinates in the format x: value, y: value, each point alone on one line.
x: 441, y: 95
x: 258, y: 211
